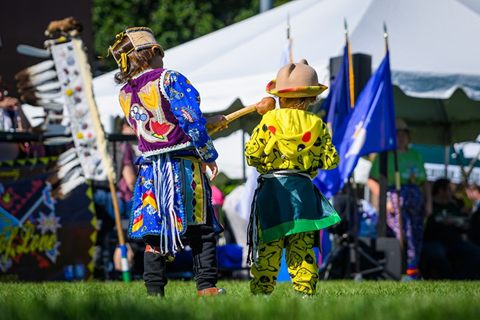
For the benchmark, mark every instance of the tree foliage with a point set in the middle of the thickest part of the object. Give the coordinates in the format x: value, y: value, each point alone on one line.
x: 173, y: 21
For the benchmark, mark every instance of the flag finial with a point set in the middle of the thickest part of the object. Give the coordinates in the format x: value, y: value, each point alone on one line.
x: 288, y: 26
x: 345, y: 30
x: 385, y: 35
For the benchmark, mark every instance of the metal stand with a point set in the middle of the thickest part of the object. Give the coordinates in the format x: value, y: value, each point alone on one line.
x: 338, y: 263
x: 350, y: 250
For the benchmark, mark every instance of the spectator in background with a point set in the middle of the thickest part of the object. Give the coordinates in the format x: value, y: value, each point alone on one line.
x: 126, y: 170
x: 126, y: 173
x: 217, y: 200
x: 445, y: 254
x: 412, y: 202
x: 12, y: 118
x: 473, y: 193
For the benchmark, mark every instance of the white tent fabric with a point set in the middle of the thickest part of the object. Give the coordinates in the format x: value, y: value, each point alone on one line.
x: 433, y: 51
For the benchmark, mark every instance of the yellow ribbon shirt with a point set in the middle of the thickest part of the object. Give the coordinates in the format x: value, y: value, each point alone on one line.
x: 291, y: 139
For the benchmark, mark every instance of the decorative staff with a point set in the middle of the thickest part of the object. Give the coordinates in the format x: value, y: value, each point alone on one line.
x: 75, y: 76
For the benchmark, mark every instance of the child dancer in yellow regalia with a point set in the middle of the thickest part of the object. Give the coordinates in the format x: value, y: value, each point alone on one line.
x: 287, y: 148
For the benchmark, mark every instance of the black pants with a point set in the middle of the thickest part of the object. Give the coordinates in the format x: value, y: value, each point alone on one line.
x: 202, y: 240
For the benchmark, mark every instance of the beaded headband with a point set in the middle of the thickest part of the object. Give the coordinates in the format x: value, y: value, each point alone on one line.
x: 140, y: 38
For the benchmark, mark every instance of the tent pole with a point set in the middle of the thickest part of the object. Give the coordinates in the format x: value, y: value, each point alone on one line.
x: 447, y: 160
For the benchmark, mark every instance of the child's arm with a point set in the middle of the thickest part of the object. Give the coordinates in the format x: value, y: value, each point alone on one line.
x: 185, y: 101
x: 254, y: 148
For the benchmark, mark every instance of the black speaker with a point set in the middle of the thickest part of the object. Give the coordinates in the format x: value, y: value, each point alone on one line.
x: 362, y: 70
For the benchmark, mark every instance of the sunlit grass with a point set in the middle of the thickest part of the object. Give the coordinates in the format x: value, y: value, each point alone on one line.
x: 334, y: 300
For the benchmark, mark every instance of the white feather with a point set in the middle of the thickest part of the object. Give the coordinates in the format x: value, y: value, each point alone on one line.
x: 48, y: 95
x: 50, y: 105
x: 40, y: 67
x: 52, y: 85
x: 67, y: 187
x: 73, y: 174
x: 67, y: 156
x: 67, y: 167
x: 43, y: 77
x: 57, y: 141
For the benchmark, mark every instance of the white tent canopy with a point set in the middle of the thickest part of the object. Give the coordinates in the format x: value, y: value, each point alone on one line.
x: 433, y: 51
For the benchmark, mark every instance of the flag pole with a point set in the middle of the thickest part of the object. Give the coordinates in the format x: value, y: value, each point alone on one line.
x: 385, y: 35
x: 397, y: 175
x: 352, y: 187
x: 287, y: 27
x: 350, y: 68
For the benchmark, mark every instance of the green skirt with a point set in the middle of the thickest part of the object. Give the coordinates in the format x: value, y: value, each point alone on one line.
x: 289, y: 203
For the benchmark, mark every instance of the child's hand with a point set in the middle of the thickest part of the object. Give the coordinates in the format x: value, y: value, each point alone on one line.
x: 213, y: 167
x: 217, y: 121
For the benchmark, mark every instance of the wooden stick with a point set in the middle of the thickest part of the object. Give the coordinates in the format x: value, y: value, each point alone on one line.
x: 262, y: 107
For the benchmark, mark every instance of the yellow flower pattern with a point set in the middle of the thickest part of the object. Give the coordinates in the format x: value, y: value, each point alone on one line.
x: 125, y: 101
x: 149, y: 95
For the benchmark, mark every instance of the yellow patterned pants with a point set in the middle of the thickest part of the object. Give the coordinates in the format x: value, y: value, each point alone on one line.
x: 301, y: 263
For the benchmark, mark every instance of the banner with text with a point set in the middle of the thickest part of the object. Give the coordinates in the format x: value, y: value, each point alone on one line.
x: 42, y: 238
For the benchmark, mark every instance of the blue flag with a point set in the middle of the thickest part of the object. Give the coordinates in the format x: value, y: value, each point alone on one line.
x: 339, y: 101
x: 369, y: 128
x: 333, y: 112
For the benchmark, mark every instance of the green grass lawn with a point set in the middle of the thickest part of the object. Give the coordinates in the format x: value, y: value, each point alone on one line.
x: 339, y: 300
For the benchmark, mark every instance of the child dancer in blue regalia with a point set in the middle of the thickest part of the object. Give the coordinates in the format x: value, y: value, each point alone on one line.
x: 172, y: 195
